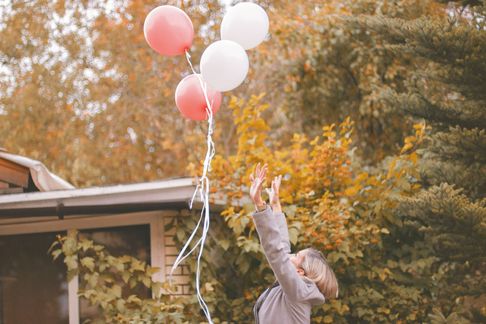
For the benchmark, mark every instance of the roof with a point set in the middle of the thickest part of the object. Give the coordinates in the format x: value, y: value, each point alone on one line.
x: 99, y: 200
x: 43, y: 179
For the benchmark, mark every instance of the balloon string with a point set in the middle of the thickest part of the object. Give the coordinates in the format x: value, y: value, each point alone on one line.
x: 204, y: 187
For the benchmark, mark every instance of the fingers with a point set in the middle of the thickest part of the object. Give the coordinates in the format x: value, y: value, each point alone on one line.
x: 260, y: 183
x: 259, y: 174
x: 254, y: 173
x: 272, y: 188
x: 263, y: 173
x: 261, y: 170
x: 276, y: 184
x: 258, y: 170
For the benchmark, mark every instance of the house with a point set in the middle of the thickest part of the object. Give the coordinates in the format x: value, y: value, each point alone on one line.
x: 36, y: 205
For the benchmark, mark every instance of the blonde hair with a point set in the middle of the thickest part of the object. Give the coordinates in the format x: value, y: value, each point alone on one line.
x: 318, y: 270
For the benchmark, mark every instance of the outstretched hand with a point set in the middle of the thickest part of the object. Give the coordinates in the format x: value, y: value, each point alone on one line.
x: 273, y: 192
x: 257, y: 179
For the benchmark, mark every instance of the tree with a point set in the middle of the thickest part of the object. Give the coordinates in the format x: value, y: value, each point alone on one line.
x: 39, y: 104
x: 326, y: 70
x: 441, y: 229
x: 83, y: 92
x: 331, y: 203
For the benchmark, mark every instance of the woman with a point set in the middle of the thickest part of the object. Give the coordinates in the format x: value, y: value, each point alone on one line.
x: 304, y: 279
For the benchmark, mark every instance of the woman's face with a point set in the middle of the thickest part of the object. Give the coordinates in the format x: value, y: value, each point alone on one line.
x: 297, y: 260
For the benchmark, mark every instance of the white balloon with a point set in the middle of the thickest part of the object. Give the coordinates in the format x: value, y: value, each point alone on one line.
x: 224, y: 65
x: 246, y: 23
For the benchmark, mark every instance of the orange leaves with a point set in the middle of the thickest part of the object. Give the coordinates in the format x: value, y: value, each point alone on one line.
x: 329, y: 164
x: 352, y: 191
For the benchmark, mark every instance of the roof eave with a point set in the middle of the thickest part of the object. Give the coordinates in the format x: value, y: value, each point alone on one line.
x: 175, y: 193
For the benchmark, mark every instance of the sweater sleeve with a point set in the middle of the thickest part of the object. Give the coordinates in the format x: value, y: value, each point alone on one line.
x: 293, y: 286
x: 283, y: 229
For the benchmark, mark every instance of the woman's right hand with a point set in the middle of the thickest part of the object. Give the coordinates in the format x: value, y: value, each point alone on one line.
x: 257, y: 178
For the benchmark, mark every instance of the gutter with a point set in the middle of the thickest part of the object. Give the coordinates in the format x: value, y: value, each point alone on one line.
x: 60, y: 210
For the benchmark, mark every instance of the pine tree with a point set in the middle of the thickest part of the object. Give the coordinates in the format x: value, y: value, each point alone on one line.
x: 441, y: 230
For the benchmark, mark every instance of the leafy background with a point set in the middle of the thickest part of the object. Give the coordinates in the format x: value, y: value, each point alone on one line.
x: 374, y: 112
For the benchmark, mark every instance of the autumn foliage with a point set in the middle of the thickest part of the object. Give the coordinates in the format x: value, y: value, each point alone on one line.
x: 373, y: 112
x: 331, y: 203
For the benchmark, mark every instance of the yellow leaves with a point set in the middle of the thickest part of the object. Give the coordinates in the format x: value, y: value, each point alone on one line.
x: 408, y: 145
x: 413, y: 157
x: 328, y: 131
x: 412, y: 316
x: 383, y: 310
x: 318, y: 174
x: 419, y: 129
x: 384, y: 274
x: 385, y: 231
x: 228, y: 211
x: 333, y: 202
x: 351, y: 191
x: 391, y: 168
x: 339, y: 307
x: 414, y: 140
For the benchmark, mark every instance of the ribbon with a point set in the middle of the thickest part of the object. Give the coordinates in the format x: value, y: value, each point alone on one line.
x: 203, y: 187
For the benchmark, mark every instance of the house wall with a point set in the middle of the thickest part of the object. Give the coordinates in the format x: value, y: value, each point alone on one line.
x: 163, y: 249
x: 181, y: 275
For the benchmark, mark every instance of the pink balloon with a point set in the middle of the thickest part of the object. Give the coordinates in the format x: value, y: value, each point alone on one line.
x: 168, y: 30
x: 190, y: 100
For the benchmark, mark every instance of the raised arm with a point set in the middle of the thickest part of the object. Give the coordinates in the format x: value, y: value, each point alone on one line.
x: 274, y: 197
x: 283, y: 230
x: 270, y: 237
x: 278, y: 257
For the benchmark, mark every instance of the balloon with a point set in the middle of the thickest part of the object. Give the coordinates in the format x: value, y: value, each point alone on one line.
x: 189, y: 97
x: 224, y: 65
x: 168, y: 30
x: 246, y: 23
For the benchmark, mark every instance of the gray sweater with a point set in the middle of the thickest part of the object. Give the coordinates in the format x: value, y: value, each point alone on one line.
x: 290, y: 302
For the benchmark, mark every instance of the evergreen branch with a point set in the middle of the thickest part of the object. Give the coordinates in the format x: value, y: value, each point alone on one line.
x: 416, y: 104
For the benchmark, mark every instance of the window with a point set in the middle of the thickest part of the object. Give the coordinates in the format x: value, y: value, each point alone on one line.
x: 127, y: 240
x: 34, y: 289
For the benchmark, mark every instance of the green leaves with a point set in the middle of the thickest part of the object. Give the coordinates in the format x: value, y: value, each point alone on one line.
x: 88, y: 262
x: 56, y: 253
x: 71, y: 262
x: 106, y: 280
x: 225, y: 244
